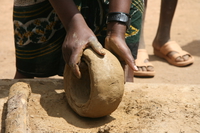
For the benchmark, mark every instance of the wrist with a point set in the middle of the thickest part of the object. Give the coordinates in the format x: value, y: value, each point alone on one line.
x: 75, y: 22
x: 116, y: 29
x: 120, y: 17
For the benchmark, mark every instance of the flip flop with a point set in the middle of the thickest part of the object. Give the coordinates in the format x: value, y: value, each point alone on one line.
x: 141, y: 57
x: 173, y: 46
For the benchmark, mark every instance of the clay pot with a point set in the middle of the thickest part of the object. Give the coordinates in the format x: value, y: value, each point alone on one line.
x: 101, y: 87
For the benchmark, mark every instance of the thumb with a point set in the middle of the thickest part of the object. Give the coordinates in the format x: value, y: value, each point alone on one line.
x: 96, y: 46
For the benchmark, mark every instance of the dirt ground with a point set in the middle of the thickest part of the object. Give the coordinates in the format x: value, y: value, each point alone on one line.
x: 167, y: 103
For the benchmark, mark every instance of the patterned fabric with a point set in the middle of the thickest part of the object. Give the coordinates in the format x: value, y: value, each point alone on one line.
x: 39, y: 33
x: 26, y: 2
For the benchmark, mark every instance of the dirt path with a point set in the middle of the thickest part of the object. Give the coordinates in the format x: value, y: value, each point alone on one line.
x: 145, y: 108
x: 168, y: 103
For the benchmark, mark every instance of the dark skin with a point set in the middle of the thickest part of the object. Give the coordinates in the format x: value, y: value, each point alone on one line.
x: 80, y: 36
x: 167, y: 11
x: 115, y: 40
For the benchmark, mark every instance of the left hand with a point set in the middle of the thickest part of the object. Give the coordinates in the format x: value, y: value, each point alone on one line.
x: 115, y: 43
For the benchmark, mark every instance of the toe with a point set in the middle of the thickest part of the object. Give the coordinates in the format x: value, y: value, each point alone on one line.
x: 139, y: 68
x: 186, y: 57
x: 179, y: 59
x: 144, y: 68
x: 150, y: 68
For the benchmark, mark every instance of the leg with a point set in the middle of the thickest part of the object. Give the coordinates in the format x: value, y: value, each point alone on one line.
x: 162, y: 37
x: 145, y: 68
x: 166, y: 15
x: 142, y: 42
x: 133, y: 33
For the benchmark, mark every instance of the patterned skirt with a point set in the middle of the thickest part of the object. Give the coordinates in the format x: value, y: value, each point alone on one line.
x: 39, y: 33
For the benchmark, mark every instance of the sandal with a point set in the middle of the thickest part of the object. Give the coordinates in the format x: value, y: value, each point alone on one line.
x: 142, y: 55
x: 173, y: 46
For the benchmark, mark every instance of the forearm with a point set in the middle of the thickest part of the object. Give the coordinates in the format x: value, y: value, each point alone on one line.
x: 67, y: 12
x: 119, y: 6
x: 117, y: 28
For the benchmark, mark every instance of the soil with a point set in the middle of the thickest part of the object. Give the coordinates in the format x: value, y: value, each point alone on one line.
x: 166, y: 103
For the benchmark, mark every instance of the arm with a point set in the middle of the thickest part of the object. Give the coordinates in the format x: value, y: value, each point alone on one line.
x: 67, y: 12
x: 115, y: 40
x: 116, y: 28
x: 79, y: 35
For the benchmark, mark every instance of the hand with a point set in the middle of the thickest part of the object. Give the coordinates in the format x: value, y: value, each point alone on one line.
x: 79, y: 37
x: 119, y: 48
x: 115, y: 43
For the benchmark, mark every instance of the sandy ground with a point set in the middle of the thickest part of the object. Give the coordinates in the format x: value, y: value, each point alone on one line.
x: 167, y: 103
x: 145, y: 108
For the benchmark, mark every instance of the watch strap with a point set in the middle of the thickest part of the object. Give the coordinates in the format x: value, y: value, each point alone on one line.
x: 119, y: 17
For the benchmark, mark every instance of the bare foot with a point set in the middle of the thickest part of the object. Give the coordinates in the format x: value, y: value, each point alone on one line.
x: 180, y: 58
x: 145, y: 68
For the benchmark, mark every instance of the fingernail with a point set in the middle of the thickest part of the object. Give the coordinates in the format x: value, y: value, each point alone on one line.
x: 103, y: 51
x: 135, y: 67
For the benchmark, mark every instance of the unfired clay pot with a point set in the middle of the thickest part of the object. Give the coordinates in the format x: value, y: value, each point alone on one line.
x: 100, y: 89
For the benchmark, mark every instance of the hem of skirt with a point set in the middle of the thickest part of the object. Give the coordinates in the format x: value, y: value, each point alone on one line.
x: 41, y: 75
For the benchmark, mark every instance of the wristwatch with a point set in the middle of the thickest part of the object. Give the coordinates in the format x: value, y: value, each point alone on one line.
x: 119, y: 17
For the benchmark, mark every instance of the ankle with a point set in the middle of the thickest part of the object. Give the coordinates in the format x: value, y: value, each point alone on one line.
x: 158, y: 43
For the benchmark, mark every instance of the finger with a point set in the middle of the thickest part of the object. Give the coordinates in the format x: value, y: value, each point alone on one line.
x: 131, y: 62
x: 96, y: 46
x: 128, y: 58
x: 74, y: 63
x: 75, y: 70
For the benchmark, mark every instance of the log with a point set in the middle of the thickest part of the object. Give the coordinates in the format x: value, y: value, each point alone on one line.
x: 17, y: 120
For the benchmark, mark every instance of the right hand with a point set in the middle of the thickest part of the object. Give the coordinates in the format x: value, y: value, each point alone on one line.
x: 79, y: 37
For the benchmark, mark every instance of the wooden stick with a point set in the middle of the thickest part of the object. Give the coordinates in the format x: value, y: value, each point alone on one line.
x: 17, y: 114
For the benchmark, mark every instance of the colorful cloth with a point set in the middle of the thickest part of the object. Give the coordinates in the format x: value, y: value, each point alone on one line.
x: 39, y: 33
